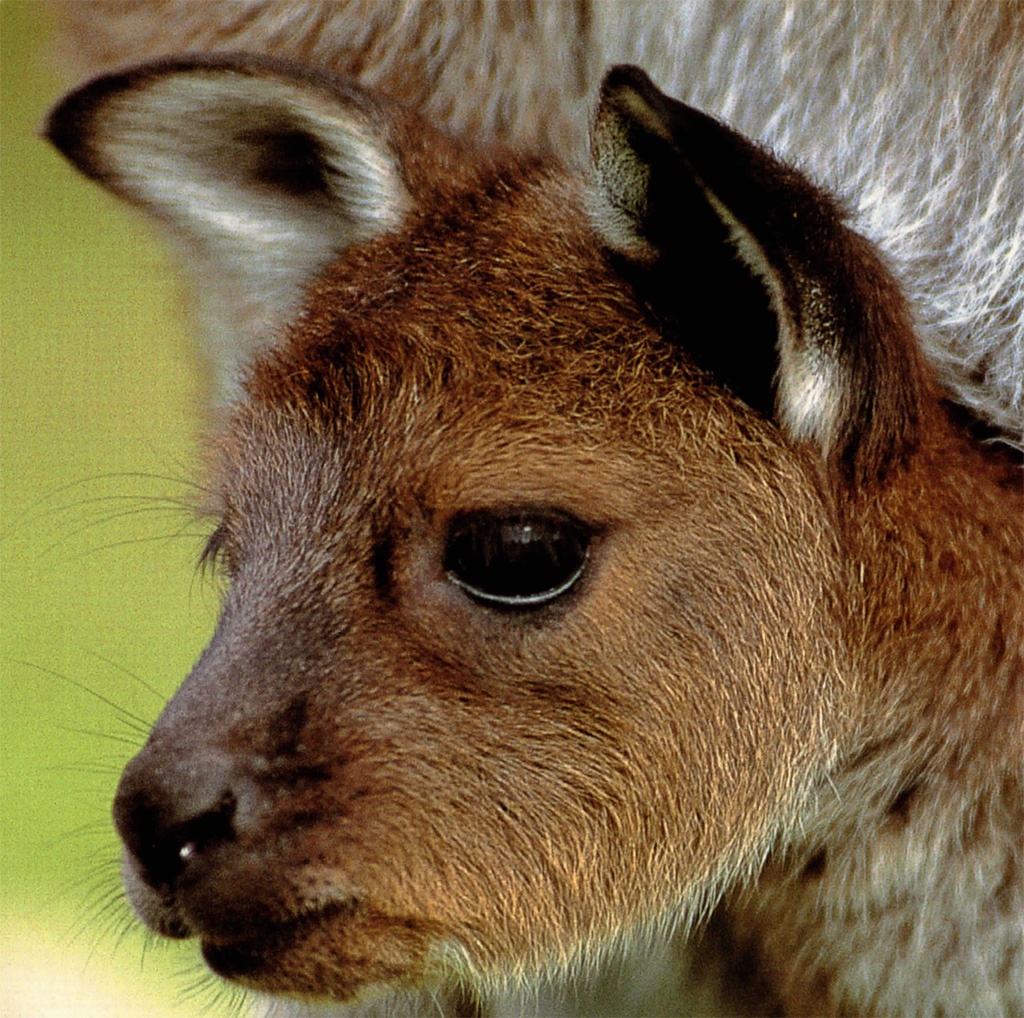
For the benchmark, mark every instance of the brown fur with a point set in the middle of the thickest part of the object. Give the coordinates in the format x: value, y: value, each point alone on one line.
x: 789, y: 675
x: 912, y: 663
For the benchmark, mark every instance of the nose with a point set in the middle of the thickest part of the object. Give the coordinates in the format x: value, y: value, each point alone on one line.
x: 172, y: 808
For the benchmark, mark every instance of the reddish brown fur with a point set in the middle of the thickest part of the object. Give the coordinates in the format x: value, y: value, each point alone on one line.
x: 921, y: 695
x: 790, y: 673
x: 455, y: 410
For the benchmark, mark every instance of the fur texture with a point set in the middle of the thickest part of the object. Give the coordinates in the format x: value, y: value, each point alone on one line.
x: 910, y: 111
x: 784, y: 690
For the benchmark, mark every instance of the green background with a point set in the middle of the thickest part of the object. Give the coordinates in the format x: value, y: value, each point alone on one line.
x: 102, y: 612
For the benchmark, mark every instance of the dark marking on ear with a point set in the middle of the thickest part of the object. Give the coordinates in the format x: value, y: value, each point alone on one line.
x: 291, y: 161
x: 715, y: 295
x: 713, y: 229
x: 69, y: 126
x: 815, y: 866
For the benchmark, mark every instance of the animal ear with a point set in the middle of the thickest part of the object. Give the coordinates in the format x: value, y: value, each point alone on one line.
x: 750, y: 268
x: 263, y: 172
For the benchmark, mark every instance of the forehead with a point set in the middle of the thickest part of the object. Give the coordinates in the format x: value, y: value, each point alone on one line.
x: 499, y: 294
x: 492, y: 334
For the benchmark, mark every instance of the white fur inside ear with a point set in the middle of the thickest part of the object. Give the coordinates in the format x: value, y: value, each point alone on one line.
x: 616, y: 227
x: 195, y: 147
x: 807, y: 401
x: 616, y: 201
x: 807, y: 382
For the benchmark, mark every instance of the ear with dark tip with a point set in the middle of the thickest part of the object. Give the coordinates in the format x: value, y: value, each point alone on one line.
x: 751, y: 269
x: 262, y: 172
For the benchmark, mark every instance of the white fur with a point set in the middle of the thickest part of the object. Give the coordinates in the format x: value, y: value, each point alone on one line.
x: 913, y: 111
x: 178, y: 147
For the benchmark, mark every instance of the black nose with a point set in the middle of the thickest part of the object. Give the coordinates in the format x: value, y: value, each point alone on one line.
x: 171, y: 808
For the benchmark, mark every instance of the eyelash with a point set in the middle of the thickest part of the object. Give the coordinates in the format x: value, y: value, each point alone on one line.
x: 214, y: 556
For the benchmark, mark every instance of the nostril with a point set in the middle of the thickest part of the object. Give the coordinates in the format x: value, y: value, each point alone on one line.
x: 164, y: 850
x: 168, y: 817
x: 195, y: 836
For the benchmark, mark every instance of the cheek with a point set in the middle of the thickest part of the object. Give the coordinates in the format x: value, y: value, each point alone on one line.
x: 490, y: 823
x: 726, y: 656
x: 570, y: 768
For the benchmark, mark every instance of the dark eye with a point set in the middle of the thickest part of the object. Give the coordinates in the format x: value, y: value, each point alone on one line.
x: 516, y: 559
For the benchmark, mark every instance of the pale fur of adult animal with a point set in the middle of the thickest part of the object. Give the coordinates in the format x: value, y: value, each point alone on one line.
x: 910, y: 111
x: 980, y: 323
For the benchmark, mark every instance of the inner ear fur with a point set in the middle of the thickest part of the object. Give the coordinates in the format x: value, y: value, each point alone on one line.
x: 751, y: 270
x: 262, y: 172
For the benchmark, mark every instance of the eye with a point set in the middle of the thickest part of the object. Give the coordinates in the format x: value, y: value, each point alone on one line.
x: 516, y: 559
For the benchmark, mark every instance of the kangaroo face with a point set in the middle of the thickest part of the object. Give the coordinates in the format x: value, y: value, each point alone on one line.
x: 529, y: 634
x: 442, y: 715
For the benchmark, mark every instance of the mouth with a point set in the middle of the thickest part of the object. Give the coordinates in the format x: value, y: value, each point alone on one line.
x: 339, y: 949
x: 254, y: 959
x: 344, y: 951
x: 285, y: 933
x: 248, y: 936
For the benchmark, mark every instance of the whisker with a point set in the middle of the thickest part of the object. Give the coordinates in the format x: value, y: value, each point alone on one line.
x: 84, y: 768
x: 139, y: 503
x: 108, y: 736
x: 132, y: 541
x: 96, y: 901
x: 212, y: 994
x: 91, y: 828
x: 187, y: 520
x: 133, y: 721
x: 98, y: 520
x: 37, y: 509
x: 131, y: 675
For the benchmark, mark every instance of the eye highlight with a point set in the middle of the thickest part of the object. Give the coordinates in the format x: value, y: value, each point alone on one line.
x: 519, y: 558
